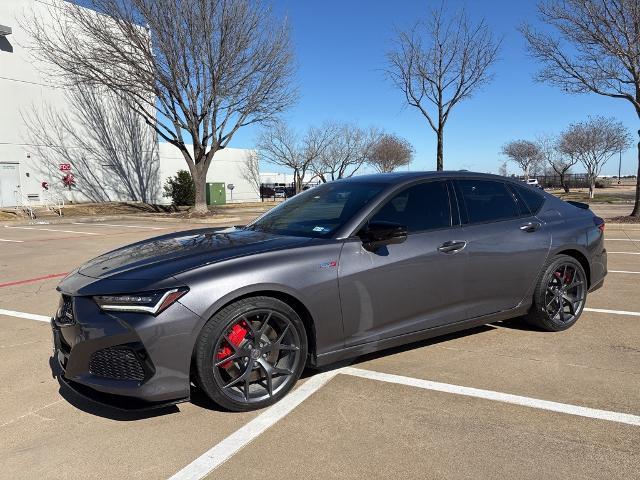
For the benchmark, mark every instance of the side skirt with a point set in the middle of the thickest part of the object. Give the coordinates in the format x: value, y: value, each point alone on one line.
x: 370, y: 347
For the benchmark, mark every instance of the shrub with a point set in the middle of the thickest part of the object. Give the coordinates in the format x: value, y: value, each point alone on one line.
x: 180, y: 189
x: 603, y: 183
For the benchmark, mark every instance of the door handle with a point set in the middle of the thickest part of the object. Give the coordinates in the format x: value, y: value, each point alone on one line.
x: 452, y: 246
x: 530, y: 226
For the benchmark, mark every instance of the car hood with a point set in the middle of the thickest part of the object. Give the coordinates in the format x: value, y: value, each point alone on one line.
x: 171, y: 254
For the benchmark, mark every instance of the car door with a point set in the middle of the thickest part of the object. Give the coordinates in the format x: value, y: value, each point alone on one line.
x: 412, y: 286
x: 506, y: 244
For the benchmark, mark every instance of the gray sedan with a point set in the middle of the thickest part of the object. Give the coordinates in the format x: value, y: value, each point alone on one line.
x: 346, y: 268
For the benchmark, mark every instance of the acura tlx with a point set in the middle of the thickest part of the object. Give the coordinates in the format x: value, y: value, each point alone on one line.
x: 345, y: 268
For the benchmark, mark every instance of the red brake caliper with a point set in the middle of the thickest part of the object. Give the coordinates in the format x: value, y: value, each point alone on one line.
x: 236, y: 336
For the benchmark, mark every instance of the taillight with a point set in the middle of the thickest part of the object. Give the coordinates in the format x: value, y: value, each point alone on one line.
x: 599, y: 222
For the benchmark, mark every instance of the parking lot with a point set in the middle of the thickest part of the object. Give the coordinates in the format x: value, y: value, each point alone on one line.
x: 499, y: 401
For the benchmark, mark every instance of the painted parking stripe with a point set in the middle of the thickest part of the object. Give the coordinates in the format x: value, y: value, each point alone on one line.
x: 28, y: 316
x: 626, y: 253
x: 113, y: 225
x: 31, y: 280
x: 621, y: 271
x: 224, y: 450
x: 569, y: 409
x: 220, y: 453
x: 613, y: 312
x: 622, y: 239
x: 53, y: 230
x: 12, y: 241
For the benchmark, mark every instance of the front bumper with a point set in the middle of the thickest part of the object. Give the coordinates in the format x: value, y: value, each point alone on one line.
x: 125, y: 359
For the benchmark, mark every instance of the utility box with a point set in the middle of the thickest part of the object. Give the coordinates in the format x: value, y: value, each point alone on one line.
x: 216, y: 193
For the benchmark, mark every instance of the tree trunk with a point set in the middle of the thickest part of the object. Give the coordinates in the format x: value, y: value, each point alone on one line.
x: 563, y: 183
x: 200, y: 183
x: 636, y: 205
x: 439, y: 158
x: 592, y: 187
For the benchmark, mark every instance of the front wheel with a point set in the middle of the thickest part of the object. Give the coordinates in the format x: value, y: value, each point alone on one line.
x: 251, y: 353
x: 560, y: 294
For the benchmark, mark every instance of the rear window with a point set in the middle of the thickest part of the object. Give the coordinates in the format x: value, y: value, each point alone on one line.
x: 531, y: 198
x: 487, y: 201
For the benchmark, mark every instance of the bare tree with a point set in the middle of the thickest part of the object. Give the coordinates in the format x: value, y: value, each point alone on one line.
x: 440, y: 62
x: 554, y: 156
x: 251, y: 171
x: 281, y: 145
x: 594, y: 48
x: 593, y: 142
x: 197, y: 72
x: 390, y: 152
x: 523, y: 153
x: 502, y: 169
x: 346, y: 152
x: 113, y: 153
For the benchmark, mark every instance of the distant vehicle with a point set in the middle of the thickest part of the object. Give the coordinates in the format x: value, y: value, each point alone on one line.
x: 344, y: 269
x: 534, y: 183
x: 280, y: 192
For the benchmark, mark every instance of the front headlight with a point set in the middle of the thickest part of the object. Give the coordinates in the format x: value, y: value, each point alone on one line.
x: 147, y: 302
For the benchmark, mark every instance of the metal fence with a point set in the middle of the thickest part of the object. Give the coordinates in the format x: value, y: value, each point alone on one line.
x: 580, y: 180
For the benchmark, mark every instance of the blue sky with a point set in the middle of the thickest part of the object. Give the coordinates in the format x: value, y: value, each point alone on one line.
x: 340, y: 48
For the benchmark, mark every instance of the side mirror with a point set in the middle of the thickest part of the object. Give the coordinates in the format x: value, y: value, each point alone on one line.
x: 377, y: 234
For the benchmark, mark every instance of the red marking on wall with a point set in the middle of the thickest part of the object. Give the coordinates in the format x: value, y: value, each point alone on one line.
x: 31, y: 280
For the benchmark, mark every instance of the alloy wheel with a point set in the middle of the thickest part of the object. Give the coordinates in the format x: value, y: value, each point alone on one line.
x: 565, y: 294
x: 256, y: 356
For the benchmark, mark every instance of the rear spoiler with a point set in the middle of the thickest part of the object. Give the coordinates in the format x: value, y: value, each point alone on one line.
x: 583, y: 206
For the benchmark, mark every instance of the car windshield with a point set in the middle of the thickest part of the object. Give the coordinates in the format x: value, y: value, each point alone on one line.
x: 320, y: 211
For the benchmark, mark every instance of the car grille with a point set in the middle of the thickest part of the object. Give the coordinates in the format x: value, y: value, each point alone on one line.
x: 118, y: 363
x: 65, y: 310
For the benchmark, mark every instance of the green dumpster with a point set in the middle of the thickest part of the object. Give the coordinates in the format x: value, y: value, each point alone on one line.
x: 216, y: 193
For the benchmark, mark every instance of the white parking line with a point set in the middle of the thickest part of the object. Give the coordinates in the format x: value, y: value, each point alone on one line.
x: 622, y: 239
x: 28, y: 316
x: 621, y: 271
x: 224, y: 450
x: 569, y: 409
x: 626, y: 253
x: 53, y: 230
x: 614, y: 312
x: 113, y: 225
x: 13, y: 241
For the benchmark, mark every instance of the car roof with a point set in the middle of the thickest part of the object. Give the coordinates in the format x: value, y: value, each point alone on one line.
x: 402, y: 177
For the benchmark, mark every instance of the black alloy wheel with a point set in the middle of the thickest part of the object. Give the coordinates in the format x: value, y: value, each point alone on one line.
x: 560, y: 295
x: 251, y: 353
x: 566, y: 293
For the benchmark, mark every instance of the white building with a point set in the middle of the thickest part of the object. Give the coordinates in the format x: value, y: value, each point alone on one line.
x: 227, y: 167
x: 24, y: 89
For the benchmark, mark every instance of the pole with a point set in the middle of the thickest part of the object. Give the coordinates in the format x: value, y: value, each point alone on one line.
x: 620, y: 168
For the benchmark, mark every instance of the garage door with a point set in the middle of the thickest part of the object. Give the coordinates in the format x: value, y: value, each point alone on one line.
x: 9, y: 182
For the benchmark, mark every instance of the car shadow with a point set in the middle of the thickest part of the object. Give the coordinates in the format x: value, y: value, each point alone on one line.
x: 519, y: 323
x: 422, y: 343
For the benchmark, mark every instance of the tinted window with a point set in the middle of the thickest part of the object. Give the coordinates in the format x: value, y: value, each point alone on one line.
x: 531, y: 198
x: 421, y: 207
x: 319, y: 211
x: 487, y: 201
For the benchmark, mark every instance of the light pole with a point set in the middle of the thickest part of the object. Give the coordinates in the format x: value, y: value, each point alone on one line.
x: 620, y: 167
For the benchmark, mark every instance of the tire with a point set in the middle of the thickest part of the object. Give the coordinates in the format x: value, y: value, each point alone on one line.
x: 250, y: 353
x: 560, y: 294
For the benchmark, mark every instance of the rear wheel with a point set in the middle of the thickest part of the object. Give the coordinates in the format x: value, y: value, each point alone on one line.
x: 560, y: 294
x: 251, y: 353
